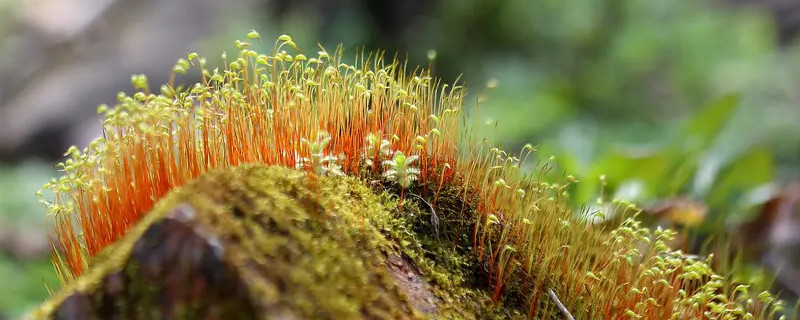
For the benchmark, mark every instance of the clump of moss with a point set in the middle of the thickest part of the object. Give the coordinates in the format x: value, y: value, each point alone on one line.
x: 469, y: 217
x: 294, y: 248
x: 266, y: 241
x: 287, y: 109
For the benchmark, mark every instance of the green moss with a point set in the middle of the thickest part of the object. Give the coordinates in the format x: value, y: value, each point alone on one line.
x: 312, y: 247
x: 302, y: 246
x: 434, y: 230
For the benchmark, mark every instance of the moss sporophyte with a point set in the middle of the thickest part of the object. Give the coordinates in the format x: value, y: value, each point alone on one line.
x: 475, y: 216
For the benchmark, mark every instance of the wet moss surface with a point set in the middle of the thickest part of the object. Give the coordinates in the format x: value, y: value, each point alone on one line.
x: 257, y: 242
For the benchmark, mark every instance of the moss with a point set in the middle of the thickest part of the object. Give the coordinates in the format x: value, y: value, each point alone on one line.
x: 433, y: 228
x: 306, y: 246
x: 299, y: 246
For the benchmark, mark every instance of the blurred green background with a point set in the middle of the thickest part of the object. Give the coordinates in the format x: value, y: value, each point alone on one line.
x: 687, y: 107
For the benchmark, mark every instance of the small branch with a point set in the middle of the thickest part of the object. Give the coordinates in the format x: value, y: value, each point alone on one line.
x: 559, y: 304
x: 434, y: 217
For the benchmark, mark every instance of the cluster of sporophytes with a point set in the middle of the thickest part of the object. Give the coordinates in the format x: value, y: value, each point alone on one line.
x: 374, y: 120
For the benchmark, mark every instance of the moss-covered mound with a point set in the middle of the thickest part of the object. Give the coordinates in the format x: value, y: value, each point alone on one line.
x: 257, y: 242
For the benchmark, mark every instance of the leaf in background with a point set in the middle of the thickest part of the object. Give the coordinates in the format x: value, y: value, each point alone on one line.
x: 703, y: 128
x: 680, y: 175
x: 24, y: 284
x: 650, y: 167
x: 752, y: 169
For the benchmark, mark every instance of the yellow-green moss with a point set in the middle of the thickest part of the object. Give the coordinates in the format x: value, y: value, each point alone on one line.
x: 314, y: 247
x: 312, y: 238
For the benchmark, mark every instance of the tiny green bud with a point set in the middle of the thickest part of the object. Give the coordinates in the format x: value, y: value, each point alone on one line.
x: 253, y: 35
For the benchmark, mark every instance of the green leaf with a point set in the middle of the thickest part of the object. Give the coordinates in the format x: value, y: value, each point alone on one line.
x: 703, y: 129
x: 651, y: 167
x: 24, y: 284
x: 750, y: 170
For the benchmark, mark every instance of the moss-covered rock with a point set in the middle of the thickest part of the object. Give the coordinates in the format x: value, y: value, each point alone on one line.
x: 247, y: 243
x: 257, y: 242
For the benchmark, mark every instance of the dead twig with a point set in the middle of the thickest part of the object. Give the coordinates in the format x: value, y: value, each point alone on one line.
x: 559, y: 304
x: 434, y: 217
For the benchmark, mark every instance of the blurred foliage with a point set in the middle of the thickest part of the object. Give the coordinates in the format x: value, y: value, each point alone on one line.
x: 620, y: 88
x: 25, y: 267
x: 24, y: 284
x: 618, y: 61
x: 679, y: 164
